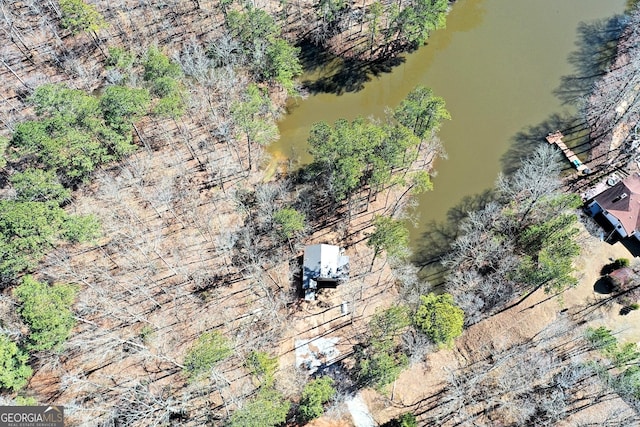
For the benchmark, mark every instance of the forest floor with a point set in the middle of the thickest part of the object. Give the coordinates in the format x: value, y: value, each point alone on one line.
x: 162, y: 274
x: 582, y: 306
x: 517, y: 324
x: 169, y: 267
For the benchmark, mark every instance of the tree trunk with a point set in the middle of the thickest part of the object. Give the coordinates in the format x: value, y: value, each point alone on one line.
x: 14, y: 74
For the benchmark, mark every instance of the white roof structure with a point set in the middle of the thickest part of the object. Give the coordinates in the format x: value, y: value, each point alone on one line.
x: 322, y: 263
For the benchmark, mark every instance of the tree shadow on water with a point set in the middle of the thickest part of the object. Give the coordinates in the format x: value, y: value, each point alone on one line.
x: 341, y: 75
x: 524, y: 143
x: 351, y: 76
x: 435, y: 242
x: 314, y: 58
x: 596, y: 50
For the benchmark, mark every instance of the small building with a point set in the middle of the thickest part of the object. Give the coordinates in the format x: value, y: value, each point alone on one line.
x: 323, y: 266
x: 617, y: 208
x: 621, y: 279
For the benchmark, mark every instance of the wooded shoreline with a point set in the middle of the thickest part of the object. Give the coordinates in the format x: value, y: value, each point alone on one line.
x: 168, y: 265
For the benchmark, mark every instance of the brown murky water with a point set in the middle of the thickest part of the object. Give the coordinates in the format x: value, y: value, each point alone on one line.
x: 496, y: 64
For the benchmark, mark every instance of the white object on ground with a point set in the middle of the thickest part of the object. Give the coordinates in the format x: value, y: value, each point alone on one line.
x: 360, y: 412
x: 313, y: 353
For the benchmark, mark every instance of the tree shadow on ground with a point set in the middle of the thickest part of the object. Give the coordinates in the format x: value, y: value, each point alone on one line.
x: 339, y: 75
x: 626, y: 310
x: 632, y: 245
x: 603, y: 286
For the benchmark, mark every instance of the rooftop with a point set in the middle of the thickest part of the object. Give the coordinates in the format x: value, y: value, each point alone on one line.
x: 322, y: 263
x: 623, y: 201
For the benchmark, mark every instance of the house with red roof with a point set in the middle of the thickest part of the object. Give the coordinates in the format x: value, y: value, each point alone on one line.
x: 618, y: 208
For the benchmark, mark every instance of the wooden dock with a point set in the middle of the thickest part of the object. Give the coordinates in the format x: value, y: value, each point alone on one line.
x: 556, y: 138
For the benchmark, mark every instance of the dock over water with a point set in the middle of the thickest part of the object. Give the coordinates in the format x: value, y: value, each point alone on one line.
x: 556, y: 138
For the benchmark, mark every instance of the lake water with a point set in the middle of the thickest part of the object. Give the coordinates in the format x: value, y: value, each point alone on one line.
x: 496, y: 64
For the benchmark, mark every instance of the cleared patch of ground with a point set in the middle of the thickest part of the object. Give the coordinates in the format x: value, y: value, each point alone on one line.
x: 312, y: 354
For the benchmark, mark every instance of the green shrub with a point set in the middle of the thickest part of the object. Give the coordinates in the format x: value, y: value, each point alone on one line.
x: 288, y: 222
x: 625, y: 354
x: 14, y: 370
x: 628, y: 383
x: 146, y: 334
x: 27, y: 231
x: 439, y: 318
x: 314, y: 395
x: 209, y: 349
x: 380, y: 367
x: 72, y: 151
x: 120, y: 58
x: 405, y: 420
x: 79, y: 16
x: 387, y: 325
x: 381, y: 361
x: 47, y: 311
x: 73, y: 106
x: 172, y: 105
x: 26, y: 401
x: 157, y: 65
x: 283, y: 64
x: 37, y: 185
x: 76, y: 131
x: 601, y: 339
x: 121, y: 106
x: 83, y: 228
x: 262, y: 366
x: 163, y: 78
x: 164, y: 86
x: 390, y: 235
x: 621, y: 263
x: 268, y: 409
